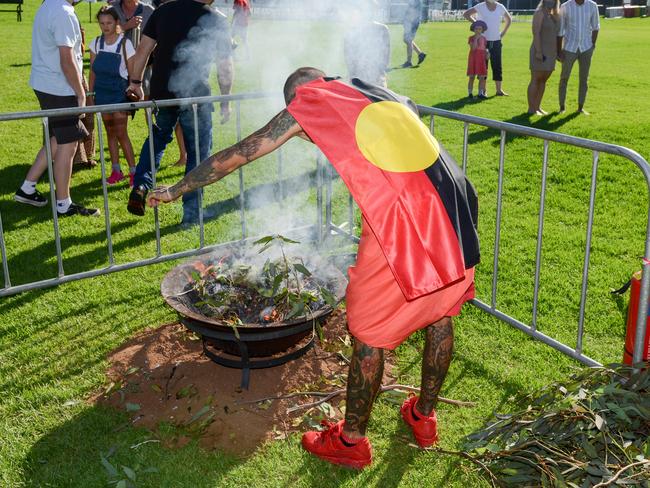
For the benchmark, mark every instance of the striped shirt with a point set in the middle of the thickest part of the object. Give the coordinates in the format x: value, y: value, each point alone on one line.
x: 578, y: 22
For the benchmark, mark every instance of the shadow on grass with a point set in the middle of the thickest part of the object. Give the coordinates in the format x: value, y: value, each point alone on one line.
x: 71, y: 456
x: 549, y: 122
x: 28, y: 265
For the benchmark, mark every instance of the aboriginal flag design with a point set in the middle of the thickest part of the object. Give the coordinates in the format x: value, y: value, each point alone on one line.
x: 418, y: 203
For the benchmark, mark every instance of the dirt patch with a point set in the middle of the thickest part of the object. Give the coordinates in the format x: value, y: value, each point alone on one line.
x: 161, y: 377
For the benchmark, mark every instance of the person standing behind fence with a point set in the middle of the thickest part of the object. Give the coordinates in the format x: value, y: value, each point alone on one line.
x: 477, y: 59
x: 188, y: 36
x: 412, y: 17
x: 57, y: 64
x: 241, y: 12
x: 109, y: 55
x: 84, y: 157
x: 367, y: 45
x: 578, y: 33
x: 543, y: 52
x: 492, y: 13
x: 133, y: 16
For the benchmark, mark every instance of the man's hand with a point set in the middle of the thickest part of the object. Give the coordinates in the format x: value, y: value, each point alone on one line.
x: 560, y: 56
x: 136, y: 89
x: 81, y: 102
x: 132, y: 23
x: 539, y: 56
x: 160, y: 194
x: 225, y: 112
x: 503, y: 34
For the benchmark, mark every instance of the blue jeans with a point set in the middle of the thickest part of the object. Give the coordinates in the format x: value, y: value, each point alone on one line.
x: 163, y: 131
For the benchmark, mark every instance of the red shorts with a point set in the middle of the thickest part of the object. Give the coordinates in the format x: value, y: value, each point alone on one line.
x: 378, y: 314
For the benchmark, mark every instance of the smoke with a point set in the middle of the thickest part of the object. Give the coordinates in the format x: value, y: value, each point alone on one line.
x: 282, y: 37
x: 195, y: 57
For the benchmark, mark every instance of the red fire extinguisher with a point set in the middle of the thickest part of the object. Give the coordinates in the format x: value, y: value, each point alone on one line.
x: 632, y: 311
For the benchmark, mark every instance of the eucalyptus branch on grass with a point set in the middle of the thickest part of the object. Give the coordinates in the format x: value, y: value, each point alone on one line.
x: 592, y: 430
x: 326, y: 396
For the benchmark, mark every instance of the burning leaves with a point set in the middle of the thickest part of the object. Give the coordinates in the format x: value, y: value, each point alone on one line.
x: 237, y: 294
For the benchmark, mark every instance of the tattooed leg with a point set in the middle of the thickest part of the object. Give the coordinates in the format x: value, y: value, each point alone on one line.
x: 438, y: 347
x: 364, y: 380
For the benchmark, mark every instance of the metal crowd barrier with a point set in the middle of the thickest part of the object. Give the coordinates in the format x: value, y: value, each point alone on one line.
x: 150, y: 107
x: 596, y: 147
x: 324, y: 222
x: 492, y: 308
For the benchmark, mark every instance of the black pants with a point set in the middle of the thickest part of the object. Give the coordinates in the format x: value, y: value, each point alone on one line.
x: 494, y: 47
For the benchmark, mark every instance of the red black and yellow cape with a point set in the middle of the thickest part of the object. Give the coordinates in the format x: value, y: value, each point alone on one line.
x: 423, y: 215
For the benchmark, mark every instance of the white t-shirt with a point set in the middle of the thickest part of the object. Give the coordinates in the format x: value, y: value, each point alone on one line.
x: 492, y: 18
x: 55, y: 24
x: 112, y: 48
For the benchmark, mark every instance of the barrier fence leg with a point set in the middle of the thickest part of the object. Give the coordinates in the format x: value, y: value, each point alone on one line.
x: 50, y: 174
x: 242, y: 196
x: 195, y: 113
x: 540, y: 234
x: 102, y: 163
x: 585, y: 268
x: 152, y: 162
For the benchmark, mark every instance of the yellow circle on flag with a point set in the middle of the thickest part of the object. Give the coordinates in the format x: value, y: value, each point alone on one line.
x: 394, y: 139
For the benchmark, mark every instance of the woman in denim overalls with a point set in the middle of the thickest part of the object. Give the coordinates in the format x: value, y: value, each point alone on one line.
x: 109, y: 54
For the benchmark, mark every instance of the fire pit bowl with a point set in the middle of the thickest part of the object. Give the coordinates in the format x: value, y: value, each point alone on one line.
x: 273, y: 343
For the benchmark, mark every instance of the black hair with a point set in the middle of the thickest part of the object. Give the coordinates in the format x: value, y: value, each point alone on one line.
x: 300, y: 77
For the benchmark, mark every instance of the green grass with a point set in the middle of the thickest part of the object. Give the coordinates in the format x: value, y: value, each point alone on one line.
x: 53, y: 342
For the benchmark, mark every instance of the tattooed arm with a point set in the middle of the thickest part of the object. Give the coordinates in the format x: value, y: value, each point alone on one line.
x: 279, y: 130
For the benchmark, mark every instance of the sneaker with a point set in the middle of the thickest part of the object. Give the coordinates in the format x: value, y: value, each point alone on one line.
x: 425, y: 429
x: 75, y: 209
x: 131, y: 178
x: 421, y: 57
x: 502, y: 94
x: 137, y: 200
x: 35, y: 199
x: 482, y: 96
x: 329, y: 446
x: 115, y: 177
x: 406, y: 65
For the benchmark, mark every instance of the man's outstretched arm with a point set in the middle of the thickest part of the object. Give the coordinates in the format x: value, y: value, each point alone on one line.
x: 279, y: 130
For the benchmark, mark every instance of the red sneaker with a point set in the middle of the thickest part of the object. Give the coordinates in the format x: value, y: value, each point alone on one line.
x: 329, y: 446
x: 425, y: 429
x: 115, y: 177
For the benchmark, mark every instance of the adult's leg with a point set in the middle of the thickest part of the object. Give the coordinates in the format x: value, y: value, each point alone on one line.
x: 584, y: 64
x: 39, y: 166
x: 190, y: 132
x: 470, y: 84
x: 364, y: 380
x: 409, y: 48
x: 163, y: 129
x: 567, y: 65
x: 541, y: 88
x: 531, y: 92
x: 497, y: 68
x: 63, y: 169
x: 62, y: 155
x: 438, y: 348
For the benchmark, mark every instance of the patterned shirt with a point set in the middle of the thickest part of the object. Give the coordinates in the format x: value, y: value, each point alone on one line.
x: 578, y: 22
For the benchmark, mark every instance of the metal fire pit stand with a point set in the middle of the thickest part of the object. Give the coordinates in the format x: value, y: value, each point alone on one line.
x: 246, y: 363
